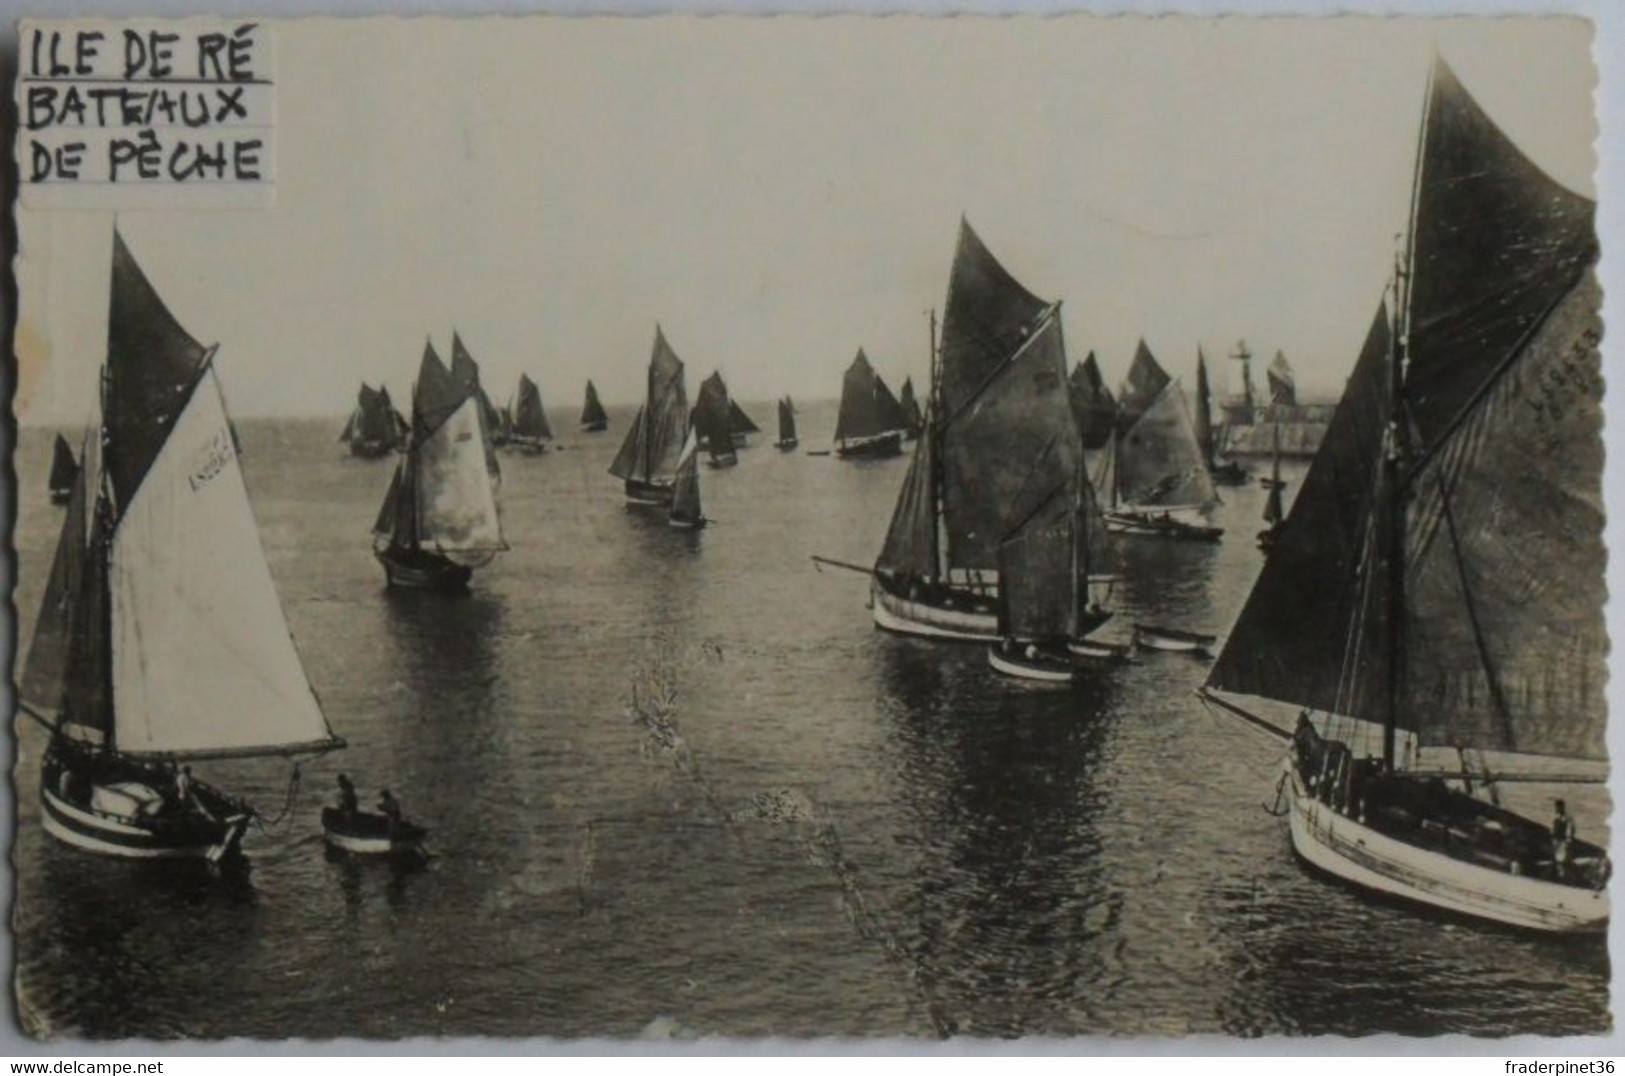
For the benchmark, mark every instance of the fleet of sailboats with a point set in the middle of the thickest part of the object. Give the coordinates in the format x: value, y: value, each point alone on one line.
x: 1426, y: 629
x: 1431, y: 612
x: 160, y: 640
x: 439, y: 520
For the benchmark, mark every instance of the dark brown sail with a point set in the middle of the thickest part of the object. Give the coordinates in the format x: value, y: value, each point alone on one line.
x: 1145, y: 382
x: 1092, y: 404
x: 712, y: 418
x: 64, y: 470
x: 738, y: 422
x: 1291, y: 639
x: 913, y: 420
x: 911, y: 549
x: 868, y: 408
x: 529, y: 417
x: 989, y: 315
x: 593, y: 417
x: 649, y: 453
x: 1204, y: 410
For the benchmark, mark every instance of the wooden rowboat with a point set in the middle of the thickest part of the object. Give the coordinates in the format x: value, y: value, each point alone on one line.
x: 365, y: 833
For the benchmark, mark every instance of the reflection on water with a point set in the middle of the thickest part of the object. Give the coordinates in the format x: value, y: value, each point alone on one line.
x: 828, y: 831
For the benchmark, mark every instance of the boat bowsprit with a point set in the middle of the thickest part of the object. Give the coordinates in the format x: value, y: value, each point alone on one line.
x: 1176, y: 640
x: 367, y: 833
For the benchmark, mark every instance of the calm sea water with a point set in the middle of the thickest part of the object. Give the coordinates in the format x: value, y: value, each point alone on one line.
x: 828, y: 831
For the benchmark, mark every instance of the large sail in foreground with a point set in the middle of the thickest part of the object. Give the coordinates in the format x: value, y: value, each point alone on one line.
x: 989, y: 315
x: 161, y: 634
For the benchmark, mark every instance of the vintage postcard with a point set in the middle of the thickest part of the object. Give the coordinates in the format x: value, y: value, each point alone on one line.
x: 735, y: 527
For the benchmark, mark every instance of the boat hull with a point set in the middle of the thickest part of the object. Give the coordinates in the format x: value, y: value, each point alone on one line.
x: 1361, y: 856
x: 530, y: 445
x: 1177, y: 642
x: 687, y: 524
x: 1176, y: 524
x: 424, y: 571
x: 1229, y: 474
x: 366, y: 834
x: 594, y: 427
x: 651, y: 494
x: 371, y: 450
x: 1042, y: 669
x: 131, y: 838
x: 927, y: 620
x: 785, y: 446
x: 61, y: 496
x: 884, y: 446
x: 1094, y: 650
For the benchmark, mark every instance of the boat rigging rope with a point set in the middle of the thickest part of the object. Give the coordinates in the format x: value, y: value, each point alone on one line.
x: 264, y: 824
x: 1280, y: 792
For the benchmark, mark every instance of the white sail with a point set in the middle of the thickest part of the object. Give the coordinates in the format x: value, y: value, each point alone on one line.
x: 456, y: 503
x: 202, y: 660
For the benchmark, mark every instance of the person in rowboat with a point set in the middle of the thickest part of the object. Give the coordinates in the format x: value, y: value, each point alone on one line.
x: 349, y: 805
x: 391, y: 809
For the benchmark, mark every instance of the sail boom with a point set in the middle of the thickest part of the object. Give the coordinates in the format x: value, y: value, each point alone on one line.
x: 313, y: 747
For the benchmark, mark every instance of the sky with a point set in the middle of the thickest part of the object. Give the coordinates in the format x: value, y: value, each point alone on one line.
x: 777, y: 192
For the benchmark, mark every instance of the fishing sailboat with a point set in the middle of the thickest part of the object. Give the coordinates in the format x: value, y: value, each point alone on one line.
x: 439, y: 520
x: 685, y: 499
x: 787, y: 425
x: 1432, y: 612
x: 1226, y: 473
x: 999, y: 428
x: 64, y: 471
x: 528, y: 428
x: 913, y: 417
x: 1274, y: 513
x: 713, y: 422
x: 740, y: 426
x: 160, y: 638
x: 371, y: 430
x: 1160, y: 481
x: 593, y: 418
x: 870, y: 422
x: 647, y: 460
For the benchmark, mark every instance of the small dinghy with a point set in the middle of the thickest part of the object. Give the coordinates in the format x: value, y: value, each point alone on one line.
x: 1098, y: 650
x: 1161, y: 525
x: 1032, y: 663
x: 365, y: 833
x: 1230, y: 473
x: 1149, y: 637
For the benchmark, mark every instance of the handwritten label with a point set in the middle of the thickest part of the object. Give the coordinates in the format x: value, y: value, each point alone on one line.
x: 150, y: 114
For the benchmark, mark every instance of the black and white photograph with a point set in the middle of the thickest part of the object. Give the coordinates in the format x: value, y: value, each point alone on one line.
x: 679, y: 529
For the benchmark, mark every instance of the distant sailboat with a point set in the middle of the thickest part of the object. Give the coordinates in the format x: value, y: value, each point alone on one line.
x: 371, y: 431
x: 787, y: 424
x: 740, y: 425
x: 439, y: 520
x: 913, y: 417
x: 529, y: 429
x: 999, y: 428
x: 1092, y: 405
x: 160, y: 636
x: 685, y: 501
x: 1432, y: 613
x: 593, y: 418
x: 647, y: 460
x: 870, y: 422
x: 64, y: 471
x: 1274, y: 513
x: 1229, y: 472
x: 713, y: 422
x: 1161, y: 485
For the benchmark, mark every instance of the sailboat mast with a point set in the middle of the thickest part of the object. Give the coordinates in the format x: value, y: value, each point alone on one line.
x: 1080, y: 552
x: 1394, y: 459
x: 933, y: 433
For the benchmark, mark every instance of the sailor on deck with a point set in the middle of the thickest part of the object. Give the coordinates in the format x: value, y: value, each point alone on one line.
x: 348, y: 804
x: 1562, y: 838
x: 391, y: 810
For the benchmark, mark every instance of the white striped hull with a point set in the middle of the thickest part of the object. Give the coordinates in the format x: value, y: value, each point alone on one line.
x: 1023, y: 671
x: 1344, y: 848
x: 369, y: 846
x: 109, y: 836
x: 904, y: 617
